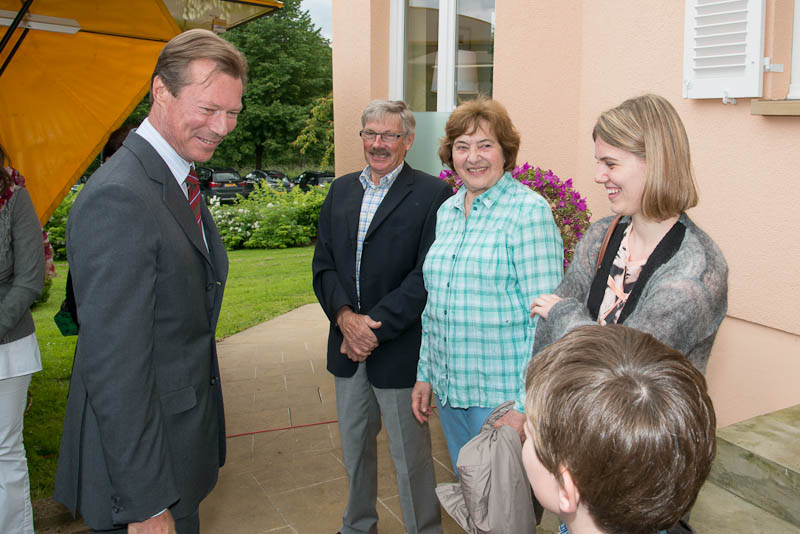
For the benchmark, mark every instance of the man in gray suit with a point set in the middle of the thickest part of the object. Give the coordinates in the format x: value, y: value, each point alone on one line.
x: 144, y: 431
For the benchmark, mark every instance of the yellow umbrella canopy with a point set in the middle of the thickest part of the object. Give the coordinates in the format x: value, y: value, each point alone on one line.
x: 61, y: 94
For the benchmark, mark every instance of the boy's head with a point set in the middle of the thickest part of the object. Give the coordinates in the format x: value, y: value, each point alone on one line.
x: 620, y: 425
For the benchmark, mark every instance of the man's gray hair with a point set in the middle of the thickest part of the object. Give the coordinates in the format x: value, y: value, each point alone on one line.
x: 379, y: 109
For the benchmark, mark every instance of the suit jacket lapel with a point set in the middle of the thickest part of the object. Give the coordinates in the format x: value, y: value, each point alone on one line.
x: 352, y: 203
x: 180, y: 209
x: 217, y: 253
x: 173, y: 196
x: 400, y: 188
x: 218, y: 269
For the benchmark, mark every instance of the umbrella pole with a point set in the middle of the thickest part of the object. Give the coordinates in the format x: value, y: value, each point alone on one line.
x: 22, y: 12
x: 13, y: 50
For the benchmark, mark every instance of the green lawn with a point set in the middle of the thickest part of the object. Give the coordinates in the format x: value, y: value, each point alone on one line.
x: 261, y: 285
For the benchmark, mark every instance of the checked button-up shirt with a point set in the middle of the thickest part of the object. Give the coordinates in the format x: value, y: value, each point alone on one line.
x: 373, y: 196
x: 482, y: 273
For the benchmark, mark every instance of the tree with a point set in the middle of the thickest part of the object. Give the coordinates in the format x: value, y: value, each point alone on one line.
x: 316, y: 138
x: 290, y: 67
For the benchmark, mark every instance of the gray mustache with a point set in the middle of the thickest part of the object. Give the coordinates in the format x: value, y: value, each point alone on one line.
x: 380, y: 152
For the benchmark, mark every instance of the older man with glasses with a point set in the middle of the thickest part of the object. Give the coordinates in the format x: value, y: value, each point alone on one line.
x: 375, y: 228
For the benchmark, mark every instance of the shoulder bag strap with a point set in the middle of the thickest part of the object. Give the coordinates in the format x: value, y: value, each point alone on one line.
x: 606, y: 239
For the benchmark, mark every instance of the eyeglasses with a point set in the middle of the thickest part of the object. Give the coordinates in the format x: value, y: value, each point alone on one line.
x: 387, y: 137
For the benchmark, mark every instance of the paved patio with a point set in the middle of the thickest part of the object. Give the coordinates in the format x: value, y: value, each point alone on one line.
x: 285, y: 480
x: 293, y: 481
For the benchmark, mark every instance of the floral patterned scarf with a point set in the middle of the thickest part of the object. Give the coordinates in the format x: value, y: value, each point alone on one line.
x: 17, y: 181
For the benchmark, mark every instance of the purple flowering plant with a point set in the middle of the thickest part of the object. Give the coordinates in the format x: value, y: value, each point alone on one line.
x: 569, y: 208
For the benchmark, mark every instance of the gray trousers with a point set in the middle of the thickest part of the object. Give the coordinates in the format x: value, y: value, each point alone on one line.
x: 360, y: 406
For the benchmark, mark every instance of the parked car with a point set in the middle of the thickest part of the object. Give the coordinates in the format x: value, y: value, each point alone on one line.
x: 274, y: 179
x: 310, y: 179
x: 82, y: 180
x: 222, y: 183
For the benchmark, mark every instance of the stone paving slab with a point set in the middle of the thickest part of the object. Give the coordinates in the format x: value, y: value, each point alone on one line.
x: 285, y: 481
x: 274, y: 376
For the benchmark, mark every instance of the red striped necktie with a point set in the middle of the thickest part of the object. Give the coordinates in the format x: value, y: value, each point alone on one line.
x: 193, y: 186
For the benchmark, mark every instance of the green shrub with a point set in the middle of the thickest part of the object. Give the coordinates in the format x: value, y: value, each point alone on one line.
x: 56, y: 227
x: 266, y: 219
x: 48, y: 283
x: 309, y: 206
x: 270, y: 218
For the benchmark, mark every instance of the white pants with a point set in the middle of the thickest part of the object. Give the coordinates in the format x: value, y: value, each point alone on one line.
x: 16, y: 514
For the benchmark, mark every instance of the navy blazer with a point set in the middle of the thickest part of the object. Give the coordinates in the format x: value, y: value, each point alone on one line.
x: 392, y: 288
x: 144, y: 426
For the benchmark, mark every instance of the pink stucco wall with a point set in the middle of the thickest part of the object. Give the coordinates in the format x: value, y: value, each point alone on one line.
x: 361, y: 72
x: 592, y: 56
x: 557, y: 66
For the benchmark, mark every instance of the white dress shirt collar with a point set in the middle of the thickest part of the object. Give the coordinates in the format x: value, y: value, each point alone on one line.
x: 177, y: 165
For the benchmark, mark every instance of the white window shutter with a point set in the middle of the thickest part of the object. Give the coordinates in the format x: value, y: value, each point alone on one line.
x: 723, y: 47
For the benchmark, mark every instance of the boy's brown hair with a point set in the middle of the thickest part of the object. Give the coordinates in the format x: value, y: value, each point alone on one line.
x: 629, y: 418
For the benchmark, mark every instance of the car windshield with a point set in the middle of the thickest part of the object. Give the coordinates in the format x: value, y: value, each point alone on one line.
x: 226, y: 177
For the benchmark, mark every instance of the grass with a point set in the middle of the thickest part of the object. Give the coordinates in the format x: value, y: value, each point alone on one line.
x: 262, y: 284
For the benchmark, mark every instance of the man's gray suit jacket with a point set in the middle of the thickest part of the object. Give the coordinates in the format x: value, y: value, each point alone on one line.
x: 144, y: 426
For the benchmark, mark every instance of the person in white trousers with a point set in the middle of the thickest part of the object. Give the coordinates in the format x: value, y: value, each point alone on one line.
x: 22, y: 269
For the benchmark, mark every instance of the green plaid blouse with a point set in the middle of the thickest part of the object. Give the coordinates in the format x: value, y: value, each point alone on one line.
x: 482, y: 274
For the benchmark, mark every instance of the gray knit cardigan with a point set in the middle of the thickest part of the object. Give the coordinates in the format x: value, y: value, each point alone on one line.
x: 682, y: 304
x: 21, y: 266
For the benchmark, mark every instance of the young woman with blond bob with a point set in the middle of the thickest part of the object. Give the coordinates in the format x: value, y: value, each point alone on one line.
x: 660, y: 273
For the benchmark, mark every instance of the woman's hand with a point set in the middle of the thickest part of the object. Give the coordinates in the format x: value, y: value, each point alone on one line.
x: 515, y: 420
x: 542, y: 304
x: 421, y: 397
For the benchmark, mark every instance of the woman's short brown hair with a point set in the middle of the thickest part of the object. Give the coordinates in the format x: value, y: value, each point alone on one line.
x: 465, y: 120
x: 629, y: 418
x: 6, y: 181
x: 649, y: 127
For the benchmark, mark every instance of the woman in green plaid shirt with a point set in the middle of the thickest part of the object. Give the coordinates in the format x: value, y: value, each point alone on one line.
x: 496, y: 249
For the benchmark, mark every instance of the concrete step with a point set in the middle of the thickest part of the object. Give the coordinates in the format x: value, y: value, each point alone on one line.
x: 759, y: 460
x: 720, y: 512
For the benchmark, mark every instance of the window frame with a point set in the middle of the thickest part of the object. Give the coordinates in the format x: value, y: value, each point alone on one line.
x: 446, y: 62
x: 794, y: 86
x: 749, y: 83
